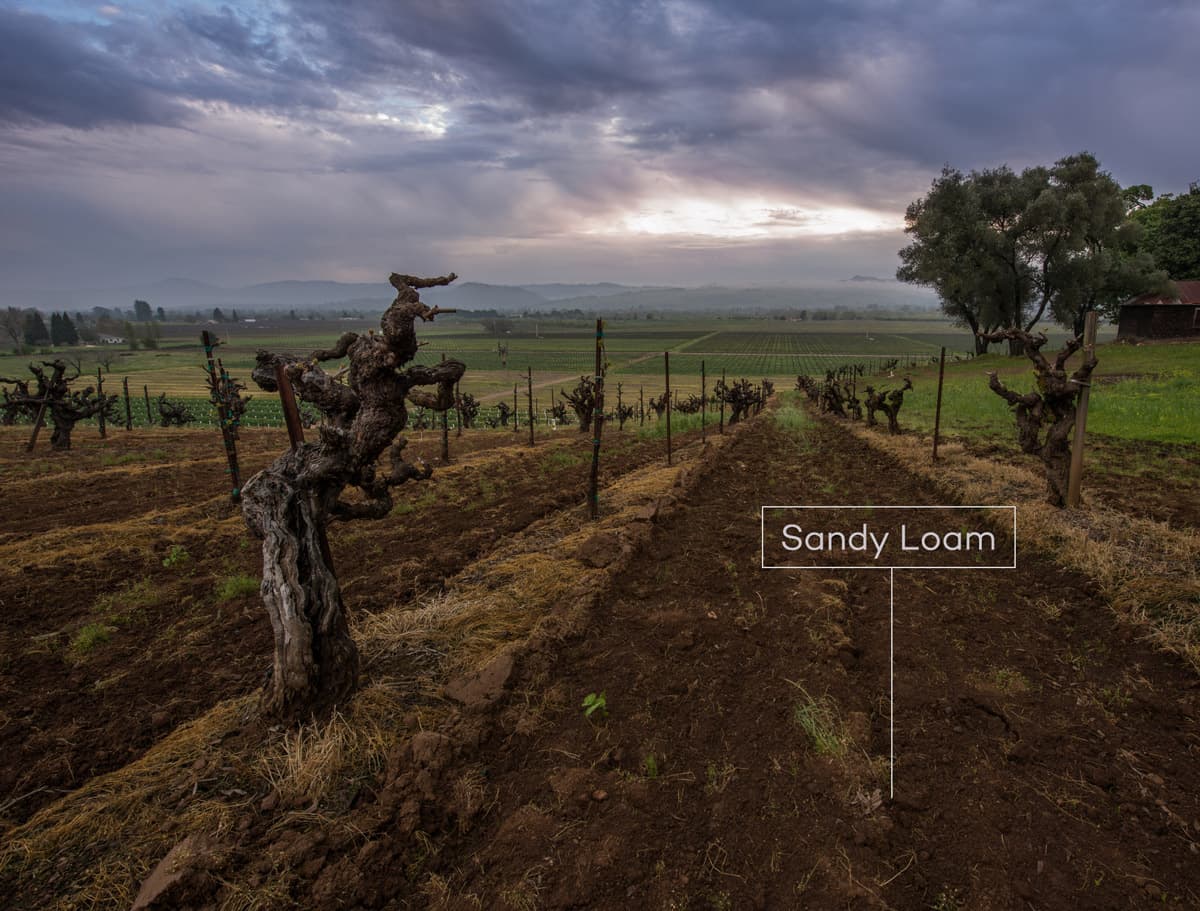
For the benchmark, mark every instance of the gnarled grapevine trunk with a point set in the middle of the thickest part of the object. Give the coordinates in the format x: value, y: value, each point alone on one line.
x: 1052, y: 406
x: 316, y: 661
x: 289, y: 503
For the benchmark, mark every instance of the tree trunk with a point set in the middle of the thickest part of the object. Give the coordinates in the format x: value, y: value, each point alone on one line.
x: 981, y: 345
x: 1056, y: 455
x: 316, y: 660
x: 60, y: 439
x: 1016, y: 347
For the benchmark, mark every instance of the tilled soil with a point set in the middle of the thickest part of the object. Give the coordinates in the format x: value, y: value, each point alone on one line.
x: 174, y: 647
x: 1044, y: 760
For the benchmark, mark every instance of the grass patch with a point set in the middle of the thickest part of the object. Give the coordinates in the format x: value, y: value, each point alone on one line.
x: 820, y: 720
x: 790, y: 416
x: 128, y: 604
x: 561, y: 458
x: 236, y: 586
x: 90, y: 636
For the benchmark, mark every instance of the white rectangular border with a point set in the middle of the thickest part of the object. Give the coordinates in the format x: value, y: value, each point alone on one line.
x: 762, y: 551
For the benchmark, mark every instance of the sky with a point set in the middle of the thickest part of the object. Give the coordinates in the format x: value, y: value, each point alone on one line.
x: 685, y: 142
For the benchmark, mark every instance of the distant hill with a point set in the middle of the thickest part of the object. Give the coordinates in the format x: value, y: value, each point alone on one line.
x: 182, y: 294
x: 558, y: 291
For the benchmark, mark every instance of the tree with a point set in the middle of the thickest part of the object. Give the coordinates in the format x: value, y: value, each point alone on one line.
x: 289, y: 503
x: 12, y: 323
x: 34, y: 329
x: 1002, y: 249
x: 130, y: 334
x: 65, y: 406
x: 1171, y: 233
x: 217, y: 315
x: 160, y: 314
x: 141, y: 311
x: 62, y: 330
x: 1051, y: 406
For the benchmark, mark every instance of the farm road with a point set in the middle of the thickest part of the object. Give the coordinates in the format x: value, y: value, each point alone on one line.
x: 1044, y: 760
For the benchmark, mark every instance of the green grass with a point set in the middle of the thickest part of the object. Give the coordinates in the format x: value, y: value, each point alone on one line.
x: 790, y: 416
x: 90, y: 636
x: 236, y: 586
x: 819, y: 719
x: 1150, y: 392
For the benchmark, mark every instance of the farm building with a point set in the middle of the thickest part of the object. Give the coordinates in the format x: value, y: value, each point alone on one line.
x: 1155, y: 316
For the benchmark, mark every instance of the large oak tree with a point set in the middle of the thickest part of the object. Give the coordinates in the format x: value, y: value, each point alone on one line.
x: 1002, y: 250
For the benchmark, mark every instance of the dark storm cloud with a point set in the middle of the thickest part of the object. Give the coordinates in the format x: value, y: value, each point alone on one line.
x: 50, y: 72
x: 459, y: 125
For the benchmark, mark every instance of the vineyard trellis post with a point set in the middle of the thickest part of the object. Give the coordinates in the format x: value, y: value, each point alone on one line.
x: 216, y: 374
x: 667, y: 375
x: 937, y: 413
x: 37, y: 426
x: 100, y: 392
x: 641, y: 406
x: 1075, y: 479
x: 128, y: 407
x: 287, y: 403
x: 445, y: 428
x: 703, y: 404
x: 598, y: 426
x: 722, y: 397
x: 146, y: 394
x: 458, y: 415
x: 516, y: 413
x: 529, y: 393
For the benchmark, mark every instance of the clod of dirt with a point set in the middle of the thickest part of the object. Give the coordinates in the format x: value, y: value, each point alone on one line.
x: 600, y: 550
x: 185, y: 869
x: 481, y: 689
x: 430, y: 749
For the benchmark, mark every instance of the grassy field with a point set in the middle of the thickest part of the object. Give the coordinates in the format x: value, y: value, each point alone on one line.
x: 1146, y: 392
x: 556, y: 351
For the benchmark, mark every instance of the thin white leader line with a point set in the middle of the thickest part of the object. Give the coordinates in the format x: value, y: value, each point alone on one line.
x: 892, y: 681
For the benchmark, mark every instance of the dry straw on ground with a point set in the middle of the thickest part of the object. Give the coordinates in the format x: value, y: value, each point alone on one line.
x: 98, y: 843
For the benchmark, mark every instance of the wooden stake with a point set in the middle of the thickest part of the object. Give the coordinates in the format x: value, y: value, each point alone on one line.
x: 597, y: 424
x: 667, y: 374
x: 37, y: 426
x: 100, y: 393
x: 937, y: 414
x: 722, y: 428
x: 445, y: 429
x: 642, y: 405
x: 703, y: 404
x: 1075, y: 481
x: 128, y: 409
x: 529, y: 393
x: 291, y: 411
x: 458, y: 414
x: 516, y: 423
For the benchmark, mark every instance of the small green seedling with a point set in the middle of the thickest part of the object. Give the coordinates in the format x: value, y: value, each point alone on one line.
x: 176, y: 556
x: 593, y: 703
x: 650, y: 764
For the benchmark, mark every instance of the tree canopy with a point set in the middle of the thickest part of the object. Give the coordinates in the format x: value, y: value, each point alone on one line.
x: 1002, y: 250
x: 1171, y: 232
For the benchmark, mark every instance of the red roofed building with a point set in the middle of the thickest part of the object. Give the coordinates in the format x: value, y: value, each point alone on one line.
x: 1154, y: 316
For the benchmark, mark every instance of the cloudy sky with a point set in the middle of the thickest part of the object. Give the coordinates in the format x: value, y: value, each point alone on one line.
x: 683, y: 142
